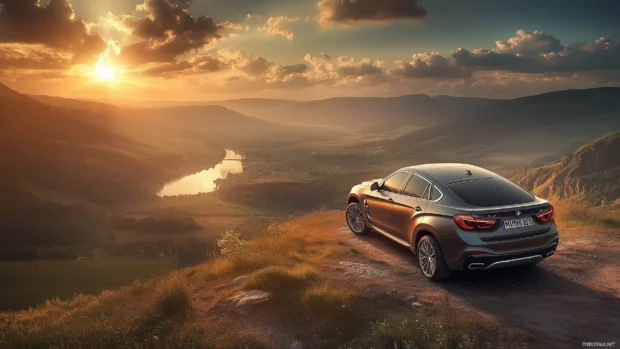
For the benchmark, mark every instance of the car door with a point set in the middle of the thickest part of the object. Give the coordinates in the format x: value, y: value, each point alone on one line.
x: 380, y: 202
x: 410, y: 206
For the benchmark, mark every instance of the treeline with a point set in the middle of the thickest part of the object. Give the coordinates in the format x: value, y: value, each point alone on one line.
x: 166, y: 224
x: 188, y: 251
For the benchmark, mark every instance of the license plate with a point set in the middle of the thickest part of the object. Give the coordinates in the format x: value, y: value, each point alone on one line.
x: 518, y: 223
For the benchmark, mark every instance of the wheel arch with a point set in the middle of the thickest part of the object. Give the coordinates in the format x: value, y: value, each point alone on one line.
x: 353, y: 198
x: 421, y: 231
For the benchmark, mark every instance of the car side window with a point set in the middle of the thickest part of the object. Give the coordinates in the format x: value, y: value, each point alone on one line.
x: 416, y: 187
x: 394, y: 183
x: 435, y: 194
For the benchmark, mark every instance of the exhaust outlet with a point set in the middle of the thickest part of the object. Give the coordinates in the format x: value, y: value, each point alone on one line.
x: 476, y: 266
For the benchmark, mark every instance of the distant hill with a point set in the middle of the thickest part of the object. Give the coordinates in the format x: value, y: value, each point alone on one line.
x: 52, y: 148
x: 591, y: 173
x: 516, y: 131
x: 372, y: 114
x: 266, y: 109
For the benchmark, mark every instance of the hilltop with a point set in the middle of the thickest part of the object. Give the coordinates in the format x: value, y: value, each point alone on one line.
x: 590, y: 174
x: 309, y: 282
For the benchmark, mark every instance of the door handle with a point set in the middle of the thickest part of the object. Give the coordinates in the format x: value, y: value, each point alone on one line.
x: 418, y: 208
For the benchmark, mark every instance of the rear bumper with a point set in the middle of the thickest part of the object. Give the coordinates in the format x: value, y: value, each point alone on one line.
x: 496, y: 261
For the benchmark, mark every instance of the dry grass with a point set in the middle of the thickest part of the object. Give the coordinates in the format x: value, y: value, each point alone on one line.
x: 148, y: 314
x: 297, y: 241
x: 440, y: 328
x: 325, y: 312
x: 575, y: 214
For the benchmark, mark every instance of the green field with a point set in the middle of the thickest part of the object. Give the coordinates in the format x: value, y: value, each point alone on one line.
x: 30, y: 283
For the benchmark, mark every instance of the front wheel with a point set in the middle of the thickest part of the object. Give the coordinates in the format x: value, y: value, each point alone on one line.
x: 432, y: 263
x: 355, y: 219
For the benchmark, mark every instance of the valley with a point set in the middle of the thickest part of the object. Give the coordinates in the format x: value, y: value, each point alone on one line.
x: 146, y: 192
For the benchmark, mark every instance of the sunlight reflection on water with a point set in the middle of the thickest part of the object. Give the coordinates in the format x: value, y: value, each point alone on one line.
x: 204, y: 181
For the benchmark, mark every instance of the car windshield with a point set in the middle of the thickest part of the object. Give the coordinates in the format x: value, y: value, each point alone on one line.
x: 491, y: 191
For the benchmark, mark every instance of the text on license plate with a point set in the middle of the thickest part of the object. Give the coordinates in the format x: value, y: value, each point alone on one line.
x: 518, y: 223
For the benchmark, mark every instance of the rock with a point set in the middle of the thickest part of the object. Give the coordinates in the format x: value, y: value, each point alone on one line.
x: 238, y: 280
x: 297, y: 345
x: 235, y: 282
x: 416, y: 304
x: 411, y: 299
x: 364, y: 270
x: 251, y: 297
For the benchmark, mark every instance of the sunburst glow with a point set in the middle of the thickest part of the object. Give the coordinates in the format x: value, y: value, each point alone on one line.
x: 105, y: 72
x: 107, y: 69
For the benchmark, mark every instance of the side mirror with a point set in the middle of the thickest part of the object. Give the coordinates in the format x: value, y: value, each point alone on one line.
x: 374, y: 186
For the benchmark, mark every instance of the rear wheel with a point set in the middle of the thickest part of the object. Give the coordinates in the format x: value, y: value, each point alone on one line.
x: 355, y: 219
x: 432, y: 263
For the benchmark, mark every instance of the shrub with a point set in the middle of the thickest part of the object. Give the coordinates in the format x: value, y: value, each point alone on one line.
x: 232, y: 245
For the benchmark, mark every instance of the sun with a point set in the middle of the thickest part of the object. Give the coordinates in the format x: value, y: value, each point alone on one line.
x: 106, y: 72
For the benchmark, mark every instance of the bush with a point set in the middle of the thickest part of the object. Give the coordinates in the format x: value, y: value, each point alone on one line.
x: 232, y: 245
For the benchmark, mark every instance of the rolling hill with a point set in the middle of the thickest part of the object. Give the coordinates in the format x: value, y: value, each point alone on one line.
x: 513, y: 132
x: 371, y: 114
x: 592, y: 174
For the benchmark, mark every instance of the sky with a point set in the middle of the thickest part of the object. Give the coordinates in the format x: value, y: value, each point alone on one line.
x: 306, y: 49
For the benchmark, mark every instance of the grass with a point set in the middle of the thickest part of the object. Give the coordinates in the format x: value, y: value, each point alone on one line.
x: 148, y: 314
x: 322, y: 311
x: 30, y: 283
x: 432, y: 329
x: 574, y: 214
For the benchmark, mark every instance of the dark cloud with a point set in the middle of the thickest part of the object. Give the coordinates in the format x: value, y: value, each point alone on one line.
x: 604, y: 54
x: 55, y: 25
x: 294, y: 69
x: 167, y: 31
x: 197, y: 65
x: 346, y: 12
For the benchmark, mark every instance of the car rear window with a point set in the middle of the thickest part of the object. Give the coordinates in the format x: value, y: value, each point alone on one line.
x: 488, y: 192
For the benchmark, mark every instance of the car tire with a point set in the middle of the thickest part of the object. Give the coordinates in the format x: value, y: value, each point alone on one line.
x: 356, y: 220
x: 429, y: 253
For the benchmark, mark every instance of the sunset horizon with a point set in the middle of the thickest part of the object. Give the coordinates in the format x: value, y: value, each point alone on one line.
x: 181, y: 50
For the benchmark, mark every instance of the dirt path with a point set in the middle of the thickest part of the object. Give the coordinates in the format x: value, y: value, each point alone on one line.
x: 571, y: 298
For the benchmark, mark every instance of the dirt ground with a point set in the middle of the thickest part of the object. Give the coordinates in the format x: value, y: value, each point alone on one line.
x: 570, y: 298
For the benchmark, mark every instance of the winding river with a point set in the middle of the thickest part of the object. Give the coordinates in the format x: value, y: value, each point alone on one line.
x: 204, y: 181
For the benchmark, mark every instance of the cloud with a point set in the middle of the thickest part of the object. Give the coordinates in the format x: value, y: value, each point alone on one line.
x: 431, y: 65
x: 603, y: 54
x: 33, y: 57
x: 275, y: 26
x: 167, y: 31
x: 529, y: 44
x: 55, y: 26
x: 348, y: 66
x: 347, y: 12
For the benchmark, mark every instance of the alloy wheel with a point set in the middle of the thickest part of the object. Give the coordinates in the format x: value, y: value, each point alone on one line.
x: 355, y: 218
x: 427, y: 258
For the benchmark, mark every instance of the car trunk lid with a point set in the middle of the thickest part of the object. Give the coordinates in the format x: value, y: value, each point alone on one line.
x: 513, y: 222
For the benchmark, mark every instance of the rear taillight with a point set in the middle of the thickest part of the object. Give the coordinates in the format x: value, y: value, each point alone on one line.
x: 469, y: 222
x: 546, y: 215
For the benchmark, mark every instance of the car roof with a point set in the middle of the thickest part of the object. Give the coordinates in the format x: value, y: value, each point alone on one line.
x: 450, y: 173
